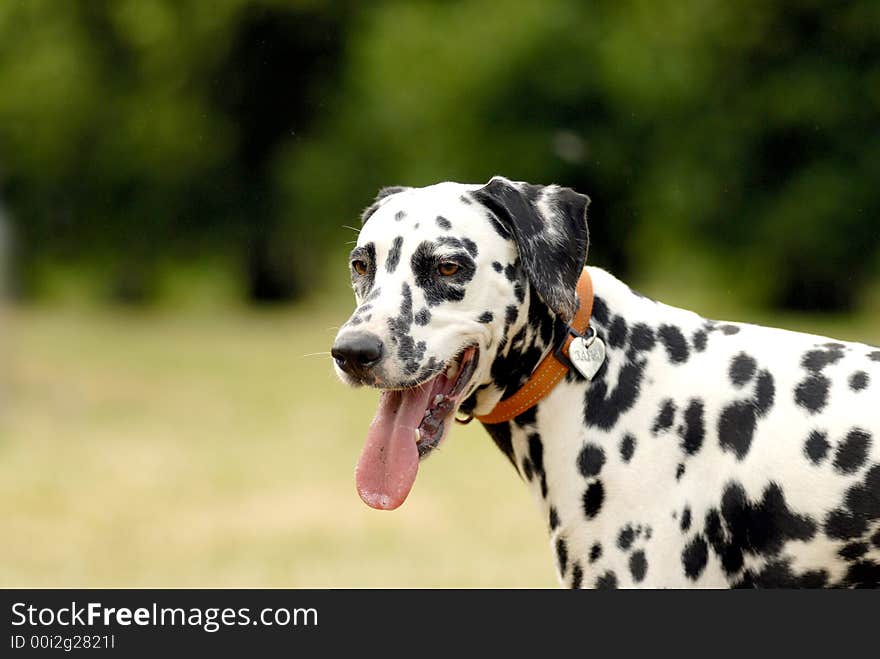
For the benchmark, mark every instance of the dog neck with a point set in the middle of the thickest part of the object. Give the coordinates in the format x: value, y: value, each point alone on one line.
x: 528, y: 341
x: 528, y: 338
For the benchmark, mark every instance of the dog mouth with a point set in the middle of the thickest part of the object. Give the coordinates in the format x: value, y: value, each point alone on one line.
x: 409, y: 424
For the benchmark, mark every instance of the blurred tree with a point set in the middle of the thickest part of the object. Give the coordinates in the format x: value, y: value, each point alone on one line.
x: 280, y: 67
x: 134, y: 133
x: 744, y: 135
x: 741, y: 136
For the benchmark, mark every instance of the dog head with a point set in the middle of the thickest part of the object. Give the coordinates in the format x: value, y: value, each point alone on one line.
x: 443, y: 276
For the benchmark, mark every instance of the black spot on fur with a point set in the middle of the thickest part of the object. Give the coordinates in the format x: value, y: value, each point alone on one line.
x: 679, y: 471
x: 853, y: 550
x: 511, y: 370
x: 513, y: 272
x: 641, y: 338
x: 665, y: 417
x: 736, y: 427
x: 593, y: 499
x: 554, y: 518
x: 852, y: 451
x: 742, y: 369
x: 590, y: 460
x: 450, y: 241
x: 486, y: 317
x: 577, y: 576
x: 864, y: 574
x: 812, y: 393
x: 694, y: 557
x: 638, y: 565
x: 356, y: 318
x: 778, y: 574
x: 465, y: 200
x: 816, y: 446
x: 394, y: 255
x: 859, y: 381
x: 694, y: 429
x: 497, y: 266
x: 600, y: 310
x: 760, y: 529
x: 765, y: 393
x: 617, y: 332
x: 607, y: 581
x: 510, y: 314
x: 700, y: 337
x: 843, y: 524
x: 423, y: 317
x: 595, y: 552
x: 399, y: 326
x: 874, y: 356
x: 561, y: 555
x: 686, y: 519
x: 627, y: 447
x: 470, y: 246
x: 625, y: 537
x: 536, y: 453
x: 399, y: 215
x: 818, y: 359
x: 676, y: 344
x: 602, y: 409
x: 443, y: 223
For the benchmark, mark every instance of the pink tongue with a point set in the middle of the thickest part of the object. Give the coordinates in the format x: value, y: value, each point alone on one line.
x: 389, y: 462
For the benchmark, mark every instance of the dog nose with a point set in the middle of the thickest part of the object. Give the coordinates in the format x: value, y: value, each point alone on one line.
x: 357, y: 352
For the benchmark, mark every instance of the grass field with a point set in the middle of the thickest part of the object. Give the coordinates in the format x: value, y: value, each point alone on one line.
x: 214, y: 449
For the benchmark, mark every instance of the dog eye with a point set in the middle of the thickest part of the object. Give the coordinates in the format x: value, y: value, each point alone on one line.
x: 447, y: 268
x: 359, y: 267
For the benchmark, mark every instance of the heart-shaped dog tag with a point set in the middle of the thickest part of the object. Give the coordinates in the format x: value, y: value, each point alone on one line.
x: 587, y: 357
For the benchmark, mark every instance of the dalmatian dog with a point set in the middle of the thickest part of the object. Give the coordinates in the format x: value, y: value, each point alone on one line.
x: 701, y: 454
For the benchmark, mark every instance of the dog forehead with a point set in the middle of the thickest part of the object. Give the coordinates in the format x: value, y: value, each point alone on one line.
x: 425, y: 214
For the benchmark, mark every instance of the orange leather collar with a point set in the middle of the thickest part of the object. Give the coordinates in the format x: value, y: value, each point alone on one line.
x: 551, y: 369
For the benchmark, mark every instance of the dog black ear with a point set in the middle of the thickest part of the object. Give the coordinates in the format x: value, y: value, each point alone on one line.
x: 383, y: 193
x: 549, y: 225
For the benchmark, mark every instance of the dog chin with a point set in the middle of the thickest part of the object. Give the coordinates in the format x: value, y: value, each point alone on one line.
x: 355, y: 382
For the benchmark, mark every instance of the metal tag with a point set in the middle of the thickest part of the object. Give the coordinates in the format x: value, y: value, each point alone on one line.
x: 587, y: 356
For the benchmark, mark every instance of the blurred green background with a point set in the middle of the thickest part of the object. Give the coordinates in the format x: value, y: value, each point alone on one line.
x: 177, y: 177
